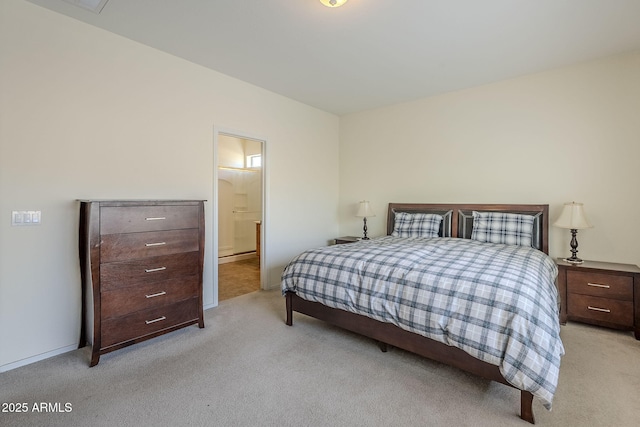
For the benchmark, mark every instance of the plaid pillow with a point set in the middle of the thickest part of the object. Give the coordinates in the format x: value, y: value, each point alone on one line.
x: 416, y: 225
x: 500, y: 227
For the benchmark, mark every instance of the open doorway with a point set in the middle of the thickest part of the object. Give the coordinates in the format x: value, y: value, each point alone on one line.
x: 240, y: 211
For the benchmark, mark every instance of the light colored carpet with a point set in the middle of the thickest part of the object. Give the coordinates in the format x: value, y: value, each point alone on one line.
x: 247, y: 368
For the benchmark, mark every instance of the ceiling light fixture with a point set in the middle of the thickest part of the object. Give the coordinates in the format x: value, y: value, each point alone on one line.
x: 333, y: 3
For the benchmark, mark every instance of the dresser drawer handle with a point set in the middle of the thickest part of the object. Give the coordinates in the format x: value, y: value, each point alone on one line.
x: 597, y: 285
x: 155, y: 244
x: 155, y: 218
x: 151, y: 270
x: 148, y: 322
x: 159, y: 294
x: 604, y: 310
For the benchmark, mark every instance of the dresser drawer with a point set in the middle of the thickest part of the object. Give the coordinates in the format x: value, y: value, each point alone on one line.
x: 125, y: 301
x: 600, y: 285
x: 132, y: 219
x: 611, y: 311
x: 114, y: 275
x: 146, y: 322
x: 120, y: 247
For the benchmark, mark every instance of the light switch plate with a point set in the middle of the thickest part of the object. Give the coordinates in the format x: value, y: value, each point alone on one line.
x: 19, y: 218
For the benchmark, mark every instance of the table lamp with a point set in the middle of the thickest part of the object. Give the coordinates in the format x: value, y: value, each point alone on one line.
x: 364, y: 211
x: 573, y: 218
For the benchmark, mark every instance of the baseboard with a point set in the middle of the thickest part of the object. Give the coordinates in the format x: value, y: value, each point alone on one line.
x: 233, y: 258
x: 37, y: 358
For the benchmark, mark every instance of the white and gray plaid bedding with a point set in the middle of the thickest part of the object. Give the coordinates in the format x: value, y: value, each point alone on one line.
x: 499, y: 303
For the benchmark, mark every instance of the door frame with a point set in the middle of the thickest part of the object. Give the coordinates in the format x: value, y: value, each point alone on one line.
x: 217, y: 131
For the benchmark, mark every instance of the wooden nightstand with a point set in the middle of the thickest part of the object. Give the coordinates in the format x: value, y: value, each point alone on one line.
x: 600, y: 293
x: 347, y: 239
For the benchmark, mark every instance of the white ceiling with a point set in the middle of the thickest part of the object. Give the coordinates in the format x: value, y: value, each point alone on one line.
x: 372, y: 53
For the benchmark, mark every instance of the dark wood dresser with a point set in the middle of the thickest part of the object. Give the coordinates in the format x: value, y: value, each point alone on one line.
x: 141, y: 266
x: 600, y: 293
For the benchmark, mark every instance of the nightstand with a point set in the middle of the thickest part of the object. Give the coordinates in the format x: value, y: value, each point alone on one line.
x: 347, y: 239
x: 600, y: 293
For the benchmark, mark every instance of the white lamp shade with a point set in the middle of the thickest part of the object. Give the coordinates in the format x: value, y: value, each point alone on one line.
x: 364, y: 210
x: 573, y: 217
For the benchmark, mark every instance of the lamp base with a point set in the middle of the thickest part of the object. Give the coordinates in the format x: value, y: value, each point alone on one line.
x: 573, y: 259
x: 364, y: 229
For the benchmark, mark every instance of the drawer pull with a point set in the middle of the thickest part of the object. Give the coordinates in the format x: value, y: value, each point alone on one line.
x: 148, y: 322
x: 597, y: 285
x: 155, y: 218
x: 604, y: 310
x: 151, y: 270
x: 155, y: 244
x: 156, y: 295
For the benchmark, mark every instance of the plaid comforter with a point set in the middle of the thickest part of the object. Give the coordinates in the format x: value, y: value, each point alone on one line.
x: 498, y: 303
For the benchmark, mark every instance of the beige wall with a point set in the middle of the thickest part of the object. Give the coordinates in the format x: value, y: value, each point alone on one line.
x: 571, y: 134
x: 88, y: 114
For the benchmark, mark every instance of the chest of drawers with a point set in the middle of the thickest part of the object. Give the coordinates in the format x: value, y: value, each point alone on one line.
x: 141, y: 268
x: 600, y: 293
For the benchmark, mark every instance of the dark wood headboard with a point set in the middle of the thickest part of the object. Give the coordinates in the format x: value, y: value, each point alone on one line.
x: 458, y: 218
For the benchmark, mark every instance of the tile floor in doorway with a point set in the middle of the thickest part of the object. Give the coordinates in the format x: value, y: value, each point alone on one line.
x: 238, y: 278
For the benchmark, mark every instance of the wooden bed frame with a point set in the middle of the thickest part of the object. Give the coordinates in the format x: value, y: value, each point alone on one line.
x: 456, y: 223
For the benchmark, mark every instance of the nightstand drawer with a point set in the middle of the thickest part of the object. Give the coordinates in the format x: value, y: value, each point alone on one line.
x: 600, y: 285
x: 611, y: 311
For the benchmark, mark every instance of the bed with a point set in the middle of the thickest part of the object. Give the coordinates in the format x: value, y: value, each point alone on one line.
x: 468, y: 285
